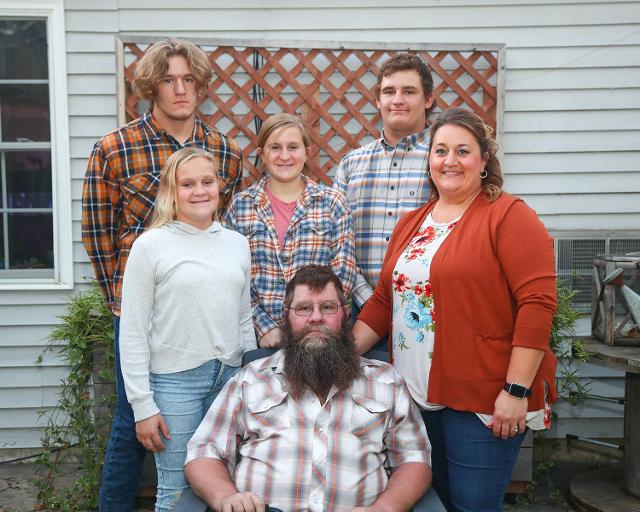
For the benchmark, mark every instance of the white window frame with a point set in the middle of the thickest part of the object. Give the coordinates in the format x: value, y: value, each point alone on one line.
x: 53, y: 12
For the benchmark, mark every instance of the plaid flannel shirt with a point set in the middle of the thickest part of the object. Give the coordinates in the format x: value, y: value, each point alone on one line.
x: 320, y: 232
x: 121, y: 184
x: 381, y: 183
x: 298, y: 454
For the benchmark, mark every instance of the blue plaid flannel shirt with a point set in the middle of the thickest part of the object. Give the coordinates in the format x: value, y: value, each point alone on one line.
x: 320, y: 232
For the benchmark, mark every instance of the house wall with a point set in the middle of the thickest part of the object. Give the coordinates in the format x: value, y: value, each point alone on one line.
x: 571, y: 131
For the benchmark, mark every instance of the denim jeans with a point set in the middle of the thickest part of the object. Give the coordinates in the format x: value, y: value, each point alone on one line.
x: 471, y: 467
x: 440, y: 482
x: 183, y: 399
x: 124, y: 455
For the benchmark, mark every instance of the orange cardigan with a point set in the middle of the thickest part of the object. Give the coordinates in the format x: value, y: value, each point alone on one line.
x: 493, y: 281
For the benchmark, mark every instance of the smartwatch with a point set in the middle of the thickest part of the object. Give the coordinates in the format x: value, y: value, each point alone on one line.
x: 517, y: 390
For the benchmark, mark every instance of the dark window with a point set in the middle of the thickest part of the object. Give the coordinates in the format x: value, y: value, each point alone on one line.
x: 26, y: 200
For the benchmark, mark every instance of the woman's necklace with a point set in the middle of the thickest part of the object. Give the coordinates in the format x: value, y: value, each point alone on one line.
x: 444, y: 212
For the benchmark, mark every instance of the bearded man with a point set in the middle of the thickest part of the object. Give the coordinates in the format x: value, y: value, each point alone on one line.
x: 314, y: 426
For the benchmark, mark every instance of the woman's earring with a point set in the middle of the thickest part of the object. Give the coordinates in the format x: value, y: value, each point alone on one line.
x: 483, y: 174
x: 429, y: 174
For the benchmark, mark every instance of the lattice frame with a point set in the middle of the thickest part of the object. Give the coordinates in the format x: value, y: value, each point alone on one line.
x: 330, y: 86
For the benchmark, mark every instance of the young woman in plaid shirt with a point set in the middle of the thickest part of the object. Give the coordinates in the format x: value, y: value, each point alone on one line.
x: 290, y: 221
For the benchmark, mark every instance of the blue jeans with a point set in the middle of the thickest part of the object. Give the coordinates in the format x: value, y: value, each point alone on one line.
x: 183, y: 399
x: 440, y: 482
x: 124, y: 455
x: 471, y: 467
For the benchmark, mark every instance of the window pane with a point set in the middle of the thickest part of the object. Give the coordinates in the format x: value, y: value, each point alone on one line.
x: 24, y: 112
x: 30, y: 240
x: 28, y: 179
x: 23, y: 49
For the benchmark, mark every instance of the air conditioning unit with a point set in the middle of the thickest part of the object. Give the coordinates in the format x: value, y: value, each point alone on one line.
x: 574, y: 262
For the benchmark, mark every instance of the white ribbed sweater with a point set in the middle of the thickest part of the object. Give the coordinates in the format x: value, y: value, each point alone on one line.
x: 185, y: 301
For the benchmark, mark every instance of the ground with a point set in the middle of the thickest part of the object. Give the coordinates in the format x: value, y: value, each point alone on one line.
x: 18, y: 490
x: 549, y: 494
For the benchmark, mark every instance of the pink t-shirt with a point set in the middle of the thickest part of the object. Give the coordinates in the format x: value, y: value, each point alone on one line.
x: 282, y: 213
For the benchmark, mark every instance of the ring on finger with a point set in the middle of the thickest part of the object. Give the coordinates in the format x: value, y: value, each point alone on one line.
x: 515, y: 429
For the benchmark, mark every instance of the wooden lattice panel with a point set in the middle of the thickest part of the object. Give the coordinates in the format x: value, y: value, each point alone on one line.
x: 332, y: 89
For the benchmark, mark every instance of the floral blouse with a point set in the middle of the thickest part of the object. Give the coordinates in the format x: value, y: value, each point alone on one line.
x: 415, y: 316
x: 414, y: 313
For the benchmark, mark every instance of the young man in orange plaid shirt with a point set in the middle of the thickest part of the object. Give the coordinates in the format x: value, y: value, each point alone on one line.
x: 119, y: 193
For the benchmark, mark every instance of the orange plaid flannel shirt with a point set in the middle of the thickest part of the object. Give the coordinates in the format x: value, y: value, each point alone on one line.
x: 121, y: 184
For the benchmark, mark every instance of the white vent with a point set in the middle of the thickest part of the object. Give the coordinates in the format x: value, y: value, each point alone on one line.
x: 574, y: 262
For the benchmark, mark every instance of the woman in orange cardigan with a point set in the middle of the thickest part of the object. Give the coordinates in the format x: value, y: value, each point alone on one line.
x: 467, y: 294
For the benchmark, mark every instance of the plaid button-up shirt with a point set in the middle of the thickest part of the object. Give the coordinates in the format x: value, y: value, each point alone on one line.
x: 300, y: 455
x: 381, y: 183
x: 320, y: 232
x: 121, y: 184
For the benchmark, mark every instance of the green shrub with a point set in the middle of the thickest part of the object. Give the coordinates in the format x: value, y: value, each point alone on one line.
x: 84, y: 337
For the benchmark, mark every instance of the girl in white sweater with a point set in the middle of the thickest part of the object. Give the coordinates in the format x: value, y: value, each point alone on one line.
x: 186, y: 314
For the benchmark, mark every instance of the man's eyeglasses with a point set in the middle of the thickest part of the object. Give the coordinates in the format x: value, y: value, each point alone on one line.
x: 306, y: 309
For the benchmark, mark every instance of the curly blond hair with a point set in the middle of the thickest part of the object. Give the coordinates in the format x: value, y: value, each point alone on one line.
x: 155, y: 63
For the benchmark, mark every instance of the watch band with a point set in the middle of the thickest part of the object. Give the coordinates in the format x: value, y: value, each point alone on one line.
x: 517, y: 390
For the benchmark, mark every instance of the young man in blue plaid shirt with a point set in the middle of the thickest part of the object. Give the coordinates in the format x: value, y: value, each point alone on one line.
x: 388, y: 177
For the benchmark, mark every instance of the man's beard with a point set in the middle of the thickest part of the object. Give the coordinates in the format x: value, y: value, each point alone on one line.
x: 318, y: 360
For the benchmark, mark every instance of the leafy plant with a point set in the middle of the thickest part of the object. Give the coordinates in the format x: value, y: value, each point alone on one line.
x: 570, y: 352
x: 84, y: 336
x: 568, y: 349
